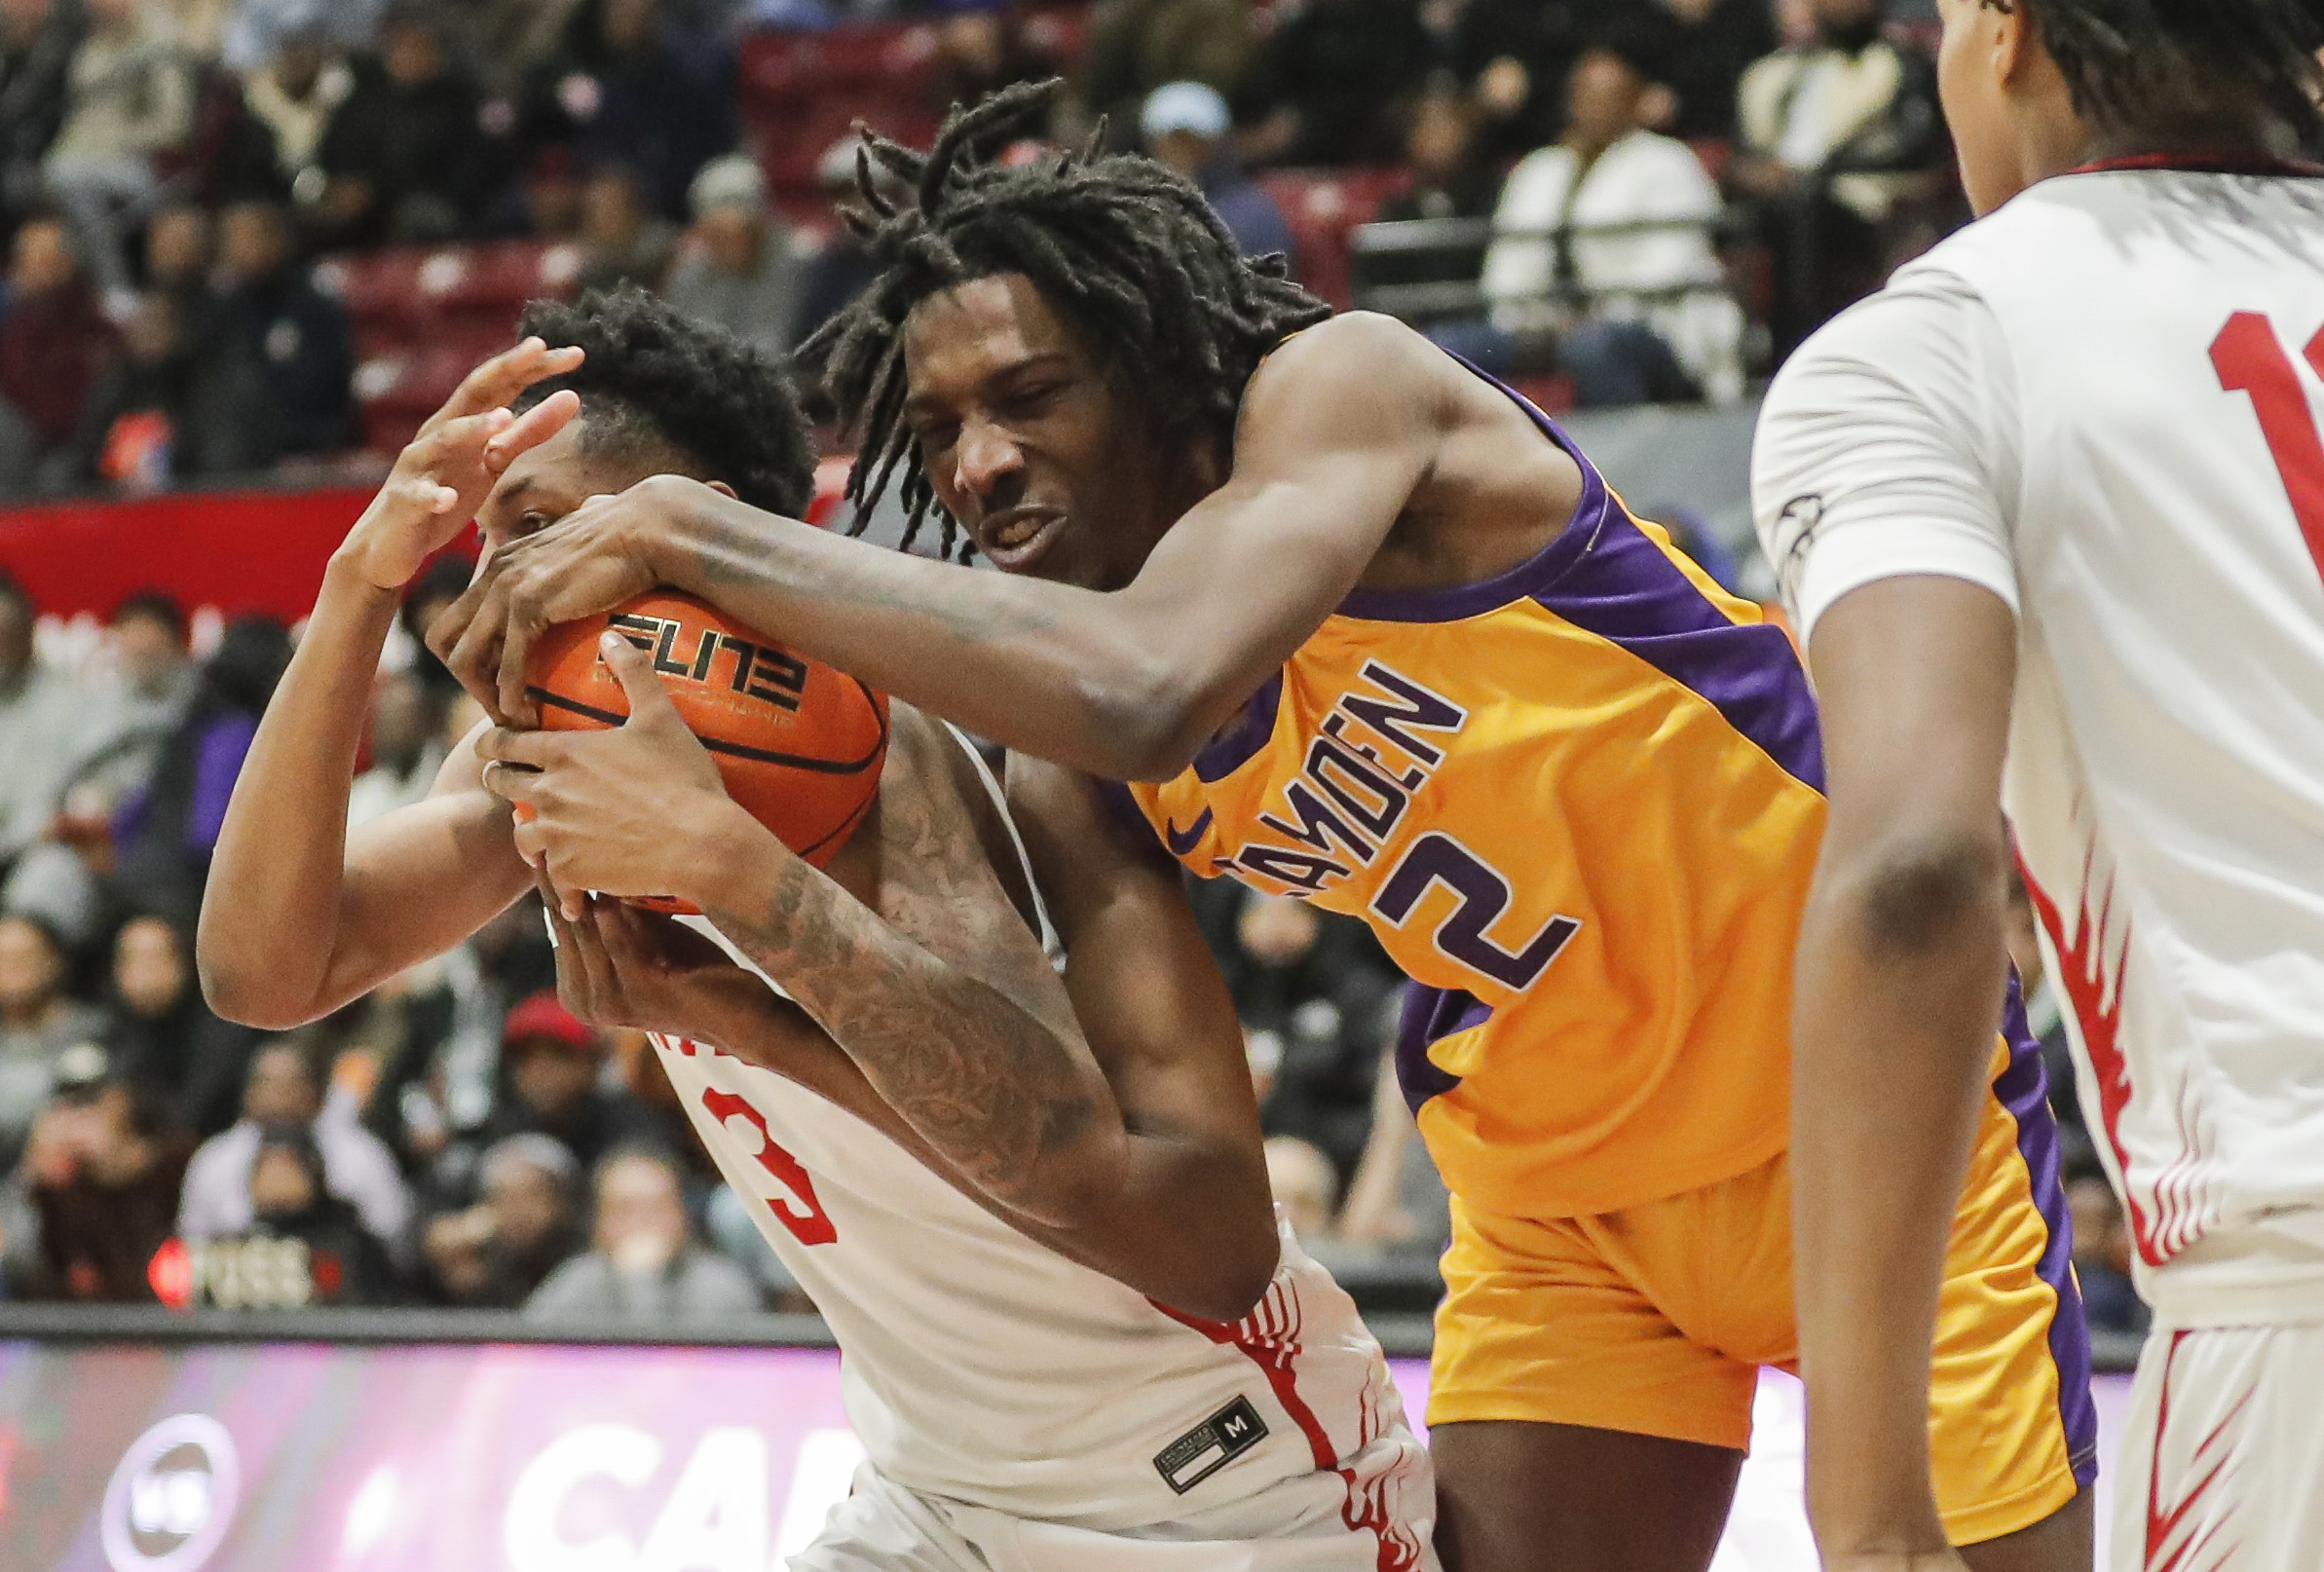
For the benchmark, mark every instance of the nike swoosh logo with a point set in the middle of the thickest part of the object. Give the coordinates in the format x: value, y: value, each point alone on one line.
x: 1181, y: 841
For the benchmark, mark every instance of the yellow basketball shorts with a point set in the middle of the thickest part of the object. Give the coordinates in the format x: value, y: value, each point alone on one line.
x: 1654, y: 1321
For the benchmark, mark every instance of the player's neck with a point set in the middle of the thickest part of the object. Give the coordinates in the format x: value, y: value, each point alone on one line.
x: 2187, y: 126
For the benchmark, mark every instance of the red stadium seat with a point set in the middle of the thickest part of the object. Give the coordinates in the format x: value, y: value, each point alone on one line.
x: 1324, y: 207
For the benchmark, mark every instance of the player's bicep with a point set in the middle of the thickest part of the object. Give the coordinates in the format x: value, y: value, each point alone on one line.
x: 1334, y: 432
x: 1151, y: 1003
x: 1914, y: 677
x: 421, y: 880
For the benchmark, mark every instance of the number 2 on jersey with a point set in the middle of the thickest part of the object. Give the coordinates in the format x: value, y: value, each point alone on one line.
x: 2251, y: 359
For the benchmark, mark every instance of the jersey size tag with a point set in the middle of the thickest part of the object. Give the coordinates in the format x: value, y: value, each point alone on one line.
x: 1211, y: 1445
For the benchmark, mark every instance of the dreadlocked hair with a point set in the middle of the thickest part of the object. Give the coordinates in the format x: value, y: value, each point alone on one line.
x: 1128, y: 250
x: 2118, y: 57
x: 653, y: 379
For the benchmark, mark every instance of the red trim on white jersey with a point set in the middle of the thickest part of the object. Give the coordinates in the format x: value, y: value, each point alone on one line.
x: 1270, y: 1337
x: 2163, y: 1524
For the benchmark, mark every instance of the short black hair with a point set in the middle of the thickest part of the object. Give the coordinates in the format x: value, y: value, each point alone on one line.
x: 152, y: 605
x: 2116, y: 55
x: 1121, y: 245
x: 13, y: 592
x: 652, y: 376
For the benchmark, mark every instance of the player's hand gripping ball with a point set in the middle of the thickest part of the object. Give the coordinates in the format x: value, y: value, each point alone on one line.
x: 798, y: 743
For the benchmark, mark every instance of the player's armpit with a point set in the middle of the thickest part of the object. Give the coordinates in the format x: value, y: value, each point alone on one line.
x: 1900, y: 982
x: 1192, y: 1207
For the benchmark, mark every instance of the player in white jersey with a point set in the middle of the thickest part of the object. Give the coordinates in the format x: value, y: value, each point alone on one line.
x: 2049, y: 514
x: 992, y: 1177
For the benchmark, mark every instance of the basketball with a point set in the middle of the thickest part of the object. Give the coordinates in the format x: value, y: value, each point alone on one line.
x: 798, y: 744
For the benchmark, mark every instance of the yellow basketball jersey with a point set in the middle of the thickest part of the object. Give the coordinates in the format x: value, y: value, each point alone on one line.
x: 1579, y: 803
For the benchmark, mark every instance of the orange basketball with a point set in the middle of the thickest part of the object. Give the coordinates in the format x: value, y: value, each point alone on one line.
x: 798, y: 744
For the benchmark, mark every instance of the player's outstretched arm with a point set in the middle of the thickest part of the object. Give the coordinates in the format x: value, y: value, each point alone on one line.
x: 1901, y: 965
x: 299, y: 917
x: 941, y: 997
x: 1335, y: 430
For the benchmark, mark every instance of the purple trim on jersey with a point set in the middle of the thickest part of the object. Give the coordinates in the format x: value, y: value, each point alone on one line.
x: 1431, y: 1015
x: 2023, y: 1089
x: 1122, y: 805
x: 1530, y: 577
x: 1237, y: 743
x: 1626, y: 589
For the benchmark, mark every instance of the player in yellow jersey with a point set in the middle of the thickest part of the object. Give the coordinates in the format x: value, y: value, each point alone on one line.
x: 1362, y: 626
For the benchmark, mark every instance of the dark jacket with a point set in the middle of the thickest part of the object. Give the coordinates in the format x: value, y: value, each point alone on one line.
x: 279, y: 357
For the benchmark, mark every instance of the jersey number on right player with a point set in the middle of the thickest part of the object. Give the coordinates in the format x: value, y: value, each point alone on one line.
x: 808, y: 1221
x: 2252, y: 360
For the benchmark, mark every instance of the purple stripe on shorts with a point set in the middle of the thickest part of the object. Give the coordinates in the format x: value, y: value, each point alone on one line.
x: 2023, y: 1089
x: 1431, y: 1015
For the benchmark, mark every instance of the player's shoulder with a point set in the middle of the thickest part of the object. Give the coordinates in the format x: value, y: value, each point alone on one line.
x: 1352, y: 352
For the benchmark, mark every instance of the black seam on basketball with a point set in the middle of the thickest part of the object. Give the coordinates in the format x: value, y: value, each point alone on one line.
x: 846, y: 826
x: 736, y: 750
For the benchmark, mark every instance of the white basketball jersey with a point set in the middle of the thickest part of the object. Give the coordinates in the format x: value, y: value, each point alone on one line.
x: 984, y: 1367
x: 2126, y: 367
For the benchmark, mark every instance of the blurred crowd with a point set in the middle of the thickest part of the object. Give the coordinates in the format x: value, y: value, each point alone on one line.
x: 1649, y: 198
x: 457, y: 1137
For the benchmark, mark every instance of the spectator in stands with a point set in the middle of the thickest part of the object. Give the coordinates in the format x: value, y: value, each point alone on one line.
x: 130, y: 97
x: 2102, y: 1256
x: 54, y: 344
x: 303, y: 1244
x: 1305, y: 1186
x: 627, y: 243
x: 1332, y: 79
x: 256, y: 28
x: 163, y: 1036
x: 1606, y: 260
x: 552, y: 1063
x: 740, y: 268
x: 165, y: 835
x: 624, y: 88
x: 647, y: 1265
x: 1395, y: 1203
x: 1315, y: 994
x: 1704, y: 47
x: 401, y: 155
x: 1512, y: 58
x: 496, y: 1253
x: 37, y: 42
x: 180, y: 245
x: 1450, y: 181
x: 122, y: 724
x: 137, y: 429
x: 1834, y: 136
x: 504, y: 42
x: 981, y: 50
x: 407, y: 747
x: 1136, y: 46
x: 842, y: 269
x: 289, y: 100
x: 277, y: 368
x: 144, y: 696
x: 286, y: 1090
x: 1185, y: 125
x: 38, y: 1021
x: 103, y: 1168
x: 43, y: 728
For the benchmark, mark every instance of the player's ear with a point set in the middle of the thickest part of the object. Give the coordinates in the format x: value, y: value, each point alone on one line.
x: 2012, y: 32
x: 725, y: 490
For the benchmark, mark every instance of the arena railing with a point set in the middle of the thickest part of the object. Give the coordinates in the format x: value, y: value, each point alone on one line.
x: 1469, y: 237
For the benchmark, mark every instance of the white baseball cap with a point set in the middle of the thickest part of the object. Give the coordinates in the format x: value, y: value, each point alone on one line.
x: 1184, y: 107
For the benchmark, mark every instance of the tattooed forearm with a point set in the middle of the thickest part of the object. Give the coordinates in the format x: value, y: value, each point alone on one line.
x: 1002, y: 1090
